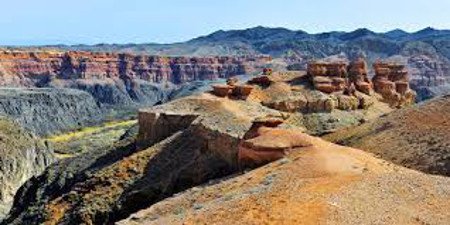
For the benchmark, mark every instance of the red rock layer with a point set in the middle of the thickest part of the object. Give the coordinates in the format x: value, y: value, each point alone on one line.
x: 88, y: 65
x: 392, y: 82
x: 328, y: 77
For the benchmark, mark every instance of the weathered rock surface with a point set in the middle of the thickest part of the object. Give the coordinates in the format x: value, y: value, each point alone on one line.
x: 49, y: 111
x: 320, y: 184
x: 328, y: 77
x: 292, y: 92
x: 115, y: 79
x: 265, y: 142
x: 391, y: 80
x: 33, y: 67
x: 417, y: 137
x: 358, y: 75
x: 102, y: 189
x: 22, y: 156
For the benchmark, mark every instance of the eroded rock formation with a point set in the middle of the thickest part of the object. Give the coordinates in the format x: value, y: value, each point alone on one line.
x: 118, y: 80
x: 391, y: 80
x: 232, y: 89
x: 328, y: 77
x: 265, y: 143
x: 180, y: 144
x: 29, y: 68
x: 358, y: 76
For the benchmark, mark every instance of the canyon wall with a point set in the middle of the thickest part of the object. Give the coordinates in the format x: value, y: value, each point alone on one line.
x: 22, y: 156
x: 34, y: 68
x: 118, y: 80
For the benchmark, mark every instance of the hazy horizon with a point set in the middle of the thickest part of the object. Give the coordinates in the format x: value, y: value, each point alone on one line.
x: 48, y: 22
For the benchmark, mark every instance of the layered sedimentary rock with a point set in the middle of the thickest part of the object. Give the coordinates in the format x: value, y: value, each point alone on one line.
x: 232, y: 89
x: 46, y: 111
x: 22, y: 156
x: 118, y: 80
x: 265, y: 142
x: 328, y: 77
x: 358, y: 75
x: 391, y: 80
x: 29, y: 68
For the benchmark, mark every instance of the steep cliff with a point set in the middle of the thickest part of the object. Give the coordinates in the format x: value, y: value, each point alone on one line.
x: 48, y: 111
x: 22, y: 156
x: 36, y: 68
x: 118, y: 79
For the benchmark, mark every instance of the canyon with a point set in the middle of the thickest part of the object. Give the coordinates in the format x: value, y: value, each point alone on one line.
x: 112, y: 86
x: 204, y: 142
x: 25, y: 68
x: 278, y: 127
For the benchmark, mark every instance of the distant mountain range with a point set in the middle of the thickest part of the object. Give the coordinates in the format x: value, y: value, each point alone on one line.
x: 279, y: 42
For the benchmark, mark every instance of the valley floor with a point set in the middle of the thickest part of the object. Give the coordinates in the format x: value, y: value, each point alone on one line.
x: 73, y: 143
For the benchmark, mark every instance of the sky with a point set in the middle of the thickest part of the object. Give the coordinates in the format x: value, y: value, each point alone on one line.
x: 41, y: 22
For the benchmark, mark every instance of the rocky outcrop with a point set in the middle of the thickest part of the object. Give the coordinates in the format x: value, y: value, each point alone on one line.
x: 155, y: 127
x: 50, y: 111
x: 22, y: 156
x: 358, y: 75
x: 328, y: 77
x: 232, y: 89
x: 391, y: 80
x: 265, y: 143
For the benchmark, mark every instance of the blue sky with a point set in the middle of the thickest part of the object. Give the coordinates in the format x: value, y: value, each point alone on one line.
x: 29, y: 22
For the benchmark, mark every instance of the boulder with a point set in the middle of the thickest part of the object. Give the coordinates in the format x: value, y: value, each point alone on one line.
x: 347, y: 102
x: 222, y: 90
x: 242, y: 91
x: 261, y: 81
x: 264, y: 144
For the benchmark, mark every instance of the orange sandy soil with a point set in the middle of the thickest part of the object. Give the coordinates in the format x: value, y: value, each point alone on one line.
x: 322, y: 184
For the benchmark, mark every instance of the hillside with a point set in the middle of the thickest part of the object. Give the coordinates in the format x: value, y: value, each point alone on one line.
x: 417, y: 137
x: 323, y: 184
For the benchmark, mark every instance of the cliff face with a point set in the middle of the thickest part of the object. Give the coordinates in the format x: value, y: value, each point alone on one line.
x: 48, y: 111
x: 21, y: 157
x: 117, y: 79
x: 34, y: 68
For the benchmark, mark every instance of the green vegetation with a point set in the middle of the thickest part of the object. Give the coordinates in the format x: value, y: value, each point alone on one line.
x: 77, y: 142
